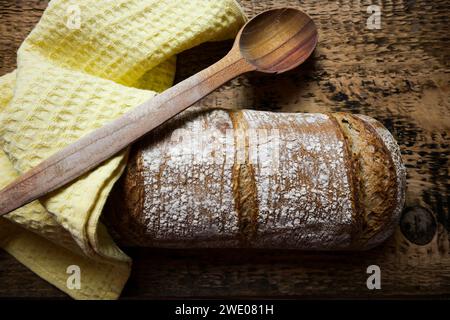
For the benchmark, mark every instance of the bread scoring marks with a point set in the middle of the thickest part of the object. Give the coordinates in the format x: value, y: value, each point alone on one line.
x: 302, y: 199
x: 245, y: 191
x: 394, y: 150
x: 186, y: 200
x: 306, y: 202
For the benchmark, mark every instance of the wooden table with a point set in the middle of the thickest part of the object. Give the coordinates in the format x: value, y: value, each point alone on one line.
x: 398, y: 74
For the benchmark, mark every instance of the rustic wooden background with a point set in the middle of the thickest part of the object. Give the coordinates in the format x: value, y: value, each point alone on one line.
x: 398, y: 74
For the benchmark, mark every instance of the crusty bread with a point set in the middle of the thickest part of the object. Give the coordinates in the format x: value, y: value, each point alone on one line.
x: 378, y: 178
x: 271, y: 180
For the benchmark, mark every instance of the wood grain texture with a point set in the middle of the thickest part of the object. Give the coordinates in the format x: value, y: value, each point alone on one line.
x: 278, y: 40
x: 398, y: 75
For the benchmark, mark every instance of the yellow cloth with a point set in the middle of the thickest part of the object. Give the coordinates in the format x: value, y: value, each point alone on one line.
x: 70, y: 81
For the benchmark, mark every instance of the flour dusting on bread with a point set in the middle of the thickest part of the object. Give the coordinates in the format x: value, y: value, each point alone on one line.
x: 307, y: 181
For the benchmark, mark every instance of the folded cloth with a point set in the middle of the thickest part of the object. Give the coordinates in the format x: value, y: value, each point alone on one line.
x: 84, y: 64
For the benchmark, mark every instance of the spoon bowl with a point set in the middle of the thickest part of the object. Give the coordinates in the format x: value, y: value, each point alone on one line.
x: 277, y: 40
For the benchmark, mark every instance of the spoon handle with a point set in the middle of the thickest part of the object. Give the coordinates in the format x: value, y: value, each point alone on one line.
x: 89, y: 151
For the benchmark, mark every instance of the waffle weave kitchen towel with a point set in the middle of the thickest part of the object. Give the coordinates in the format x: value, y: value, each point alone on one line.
x: 84, y: 64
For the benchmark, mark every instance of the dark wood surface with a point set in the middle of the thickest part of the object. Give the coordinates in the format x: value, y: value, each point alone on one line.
x: 398, y: 74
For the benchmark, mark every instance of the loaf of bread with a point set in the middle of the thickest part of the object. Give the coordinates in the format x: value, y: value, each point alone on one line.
x: 221, y: 178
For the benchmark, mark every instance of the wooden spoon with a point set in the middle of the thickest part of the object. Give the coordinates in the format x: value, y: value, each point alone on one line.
x: 273, y: 41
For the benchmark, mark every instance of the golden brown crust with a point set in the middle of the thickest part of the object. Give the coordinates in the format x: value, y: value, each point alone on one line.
x: 394, y: 152
x: 352, y: 169
x: 375, y: 176
x: 123, y: 210
x: 372, y: 191
x: 244, y: 185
